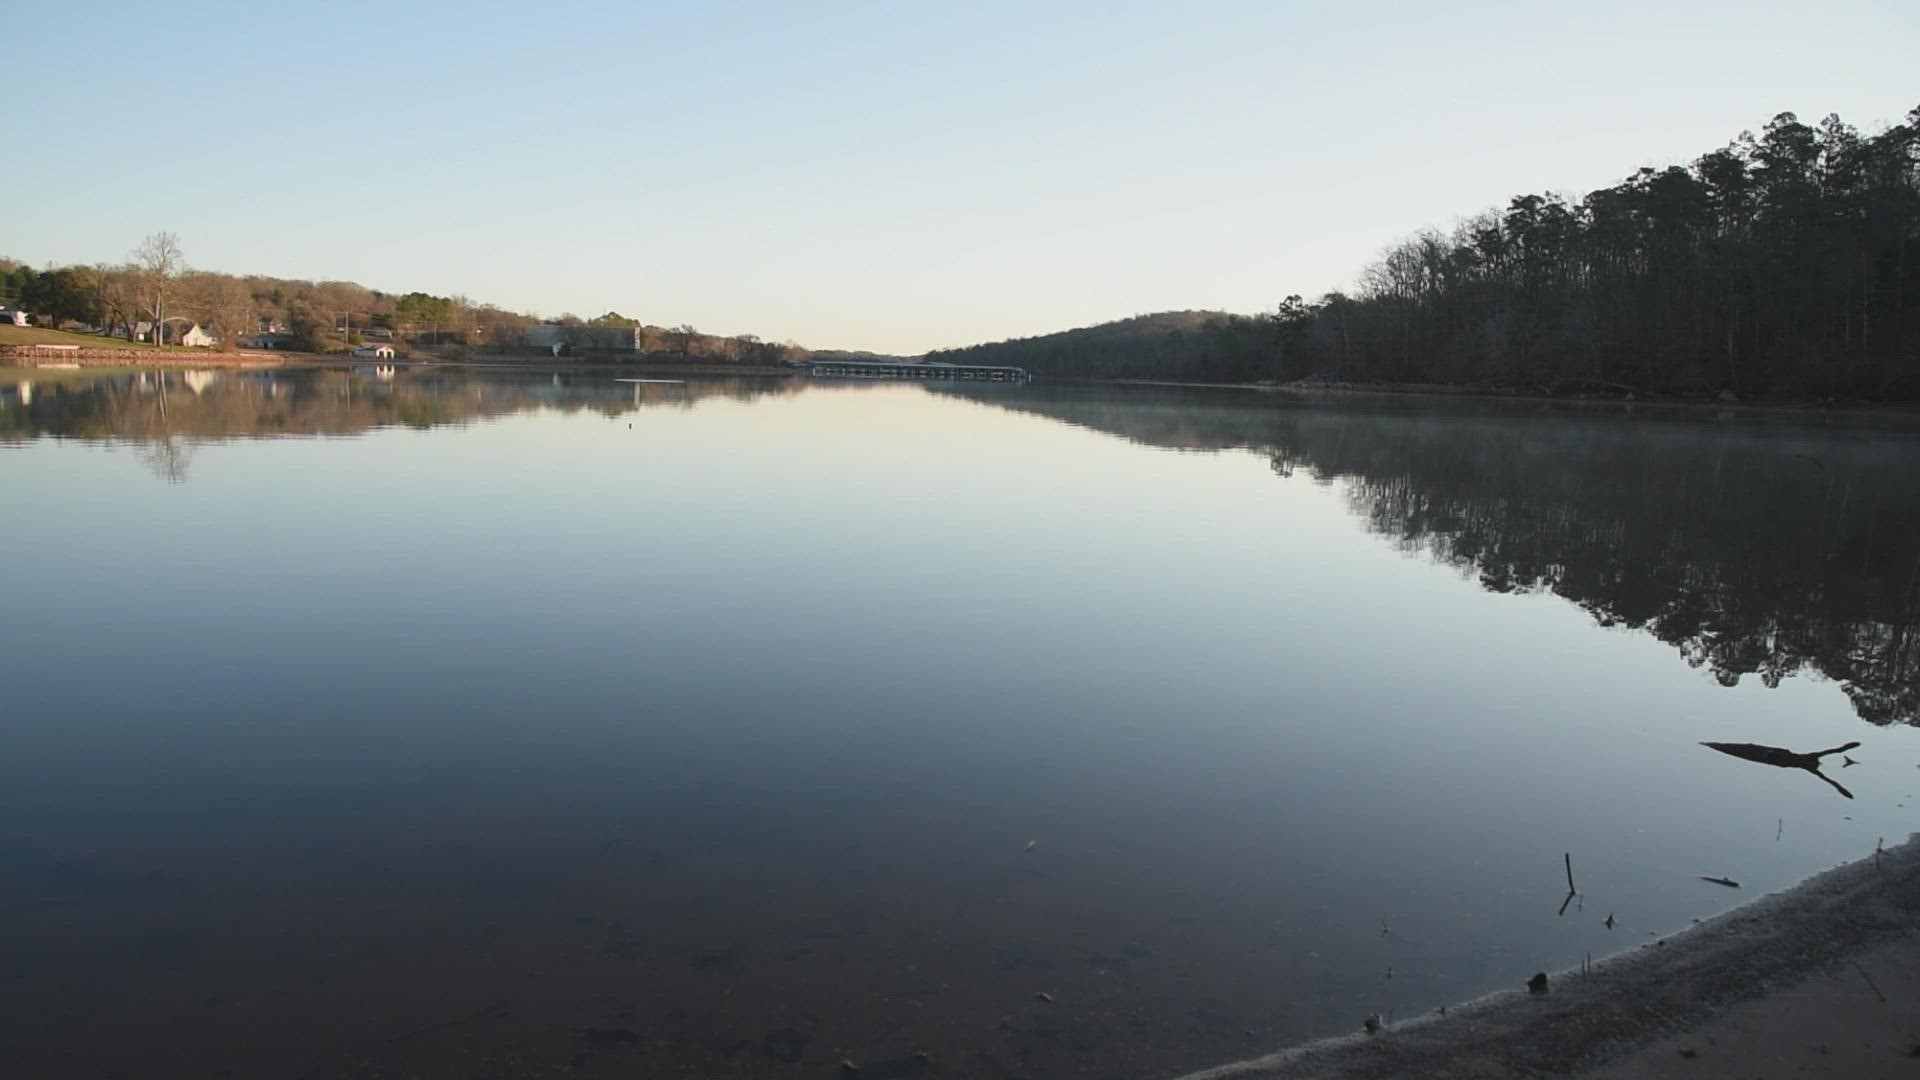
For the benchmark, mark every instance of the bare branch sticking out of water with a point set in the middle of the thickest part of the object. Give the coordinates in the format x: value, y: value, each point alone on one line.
x: 1571, y: 892
x: 1727, y: 881
x: 1870, y: 982
x: 1786, y: 759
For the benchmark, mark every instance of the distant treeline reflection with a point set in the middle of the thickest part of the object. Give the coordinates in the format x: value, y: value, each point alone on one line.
x: 165, y: 413
x: 1752, y: 548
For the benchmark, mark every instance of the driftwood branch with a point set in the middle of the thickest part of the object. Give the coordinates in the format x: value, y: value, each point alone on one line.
x: 1785, y: 759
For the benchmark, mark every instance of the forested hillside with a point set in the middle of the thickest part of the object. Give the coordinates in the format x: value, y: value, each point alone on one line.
x: 156, y: 285
x: 1783, y: 263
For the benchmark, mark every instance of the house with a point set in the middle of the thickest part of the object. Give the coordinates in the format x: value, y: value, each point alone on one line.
x: 267, y: 339
x: 12, y: 316
x: 197, y: 338
x: 380, y: 352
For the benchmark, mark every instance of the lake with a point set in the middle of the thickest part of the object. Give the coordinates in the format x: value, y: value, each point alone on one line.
x: 455, y: 725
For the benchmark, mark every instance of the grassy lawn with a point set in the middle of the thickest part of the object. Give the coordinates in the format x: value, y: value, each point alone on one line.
x: 33, y: 335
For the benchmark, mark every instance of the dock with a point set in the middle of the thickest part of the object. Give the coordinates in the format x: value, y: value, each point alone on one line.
x: 893, y: 369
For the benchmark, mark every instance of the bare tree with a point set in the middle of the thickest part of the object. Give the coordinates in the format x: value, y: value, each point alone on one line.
x: 122, y: 297
x: 223, y: 304
x: 684, y: 338
x: 159, y: 260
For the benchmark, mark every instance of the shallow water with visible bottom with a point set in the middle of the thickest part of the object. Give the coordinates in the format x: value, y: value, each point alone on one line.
x: 459, y: 725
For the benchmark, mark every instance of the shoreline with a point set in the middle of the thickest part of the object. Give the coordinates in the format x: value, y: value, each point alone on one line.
x: 62, y: 358
x: 1784, y: 405
x: 1775, y: 947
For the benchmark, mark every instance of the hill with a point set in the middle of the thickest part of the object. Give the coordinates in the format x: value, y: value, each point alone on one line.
x: 1785, y: 263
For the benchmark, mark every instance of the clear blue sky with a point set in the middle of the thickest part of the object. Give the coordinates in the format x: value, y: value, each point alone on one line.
x: 893, y: 176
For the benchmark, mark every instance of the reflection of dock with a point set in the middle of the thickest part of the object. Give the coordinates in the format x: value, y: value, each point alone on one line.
x: 889, y: 369
x: 639, y: 399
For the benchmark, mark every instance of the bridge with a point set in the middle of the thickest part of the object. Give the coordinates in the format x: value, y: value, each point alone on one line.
x: 893, y: 369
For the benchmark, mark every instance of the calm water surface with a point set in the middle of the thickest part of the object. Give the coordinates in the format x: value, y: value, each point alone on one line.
x: 488, y: 727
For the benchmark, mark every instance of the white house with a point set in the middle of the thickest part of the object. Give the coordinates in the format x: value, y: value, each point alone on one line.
x: 379, y: 352
x: 197, y: 337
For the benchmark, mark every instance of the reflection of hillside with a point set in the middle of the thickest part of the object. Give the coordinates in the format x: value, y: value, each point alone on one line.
x: 1754, y: 550
x: 159, y: 408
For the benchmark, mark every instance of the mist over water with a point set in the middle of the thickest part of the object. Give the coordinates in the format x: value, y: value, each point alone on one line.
x: 463, y: 726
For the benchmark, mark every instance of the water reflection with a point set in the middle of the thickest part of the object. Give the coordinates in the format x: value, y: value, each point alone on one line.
x: 719, y: 745
x: 1756, y: 547
x: 166, y: 413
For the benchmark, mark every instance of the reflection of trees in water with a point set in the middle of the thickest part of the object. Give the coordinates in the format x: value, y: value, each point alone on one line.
x: 157, y: 411
x: 168, y: 456
x: 1752, y: 548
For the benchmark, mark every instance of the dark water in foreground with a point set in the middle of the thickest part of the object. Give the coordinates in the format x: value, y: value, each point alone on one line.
x: 476, y: 728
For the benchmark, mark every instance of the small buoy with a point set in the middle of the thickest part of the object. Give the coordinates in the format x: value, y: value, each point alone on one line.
x: 1537, y: 984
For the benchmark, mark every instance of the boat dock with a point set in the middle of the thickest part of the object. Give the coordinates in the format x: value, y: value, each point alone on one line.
x: 893, y: 369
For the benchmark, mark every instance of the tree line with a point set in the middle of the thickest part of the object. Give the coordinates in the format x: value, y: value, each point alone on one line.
x: 155, y: 286
x: 1786, y: 262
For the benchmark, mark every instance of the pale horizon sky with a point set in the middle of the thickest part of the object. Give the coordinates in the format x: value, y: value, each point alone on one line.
x: 883, y: 176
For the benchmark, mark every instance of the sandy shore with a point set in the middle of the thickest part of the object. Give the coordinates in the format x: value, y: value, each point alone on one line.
x: 1820, y: 980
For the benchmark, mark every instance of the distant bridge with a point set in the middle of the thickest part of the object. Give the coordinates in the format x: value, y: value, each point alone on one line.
x: 893, y: 369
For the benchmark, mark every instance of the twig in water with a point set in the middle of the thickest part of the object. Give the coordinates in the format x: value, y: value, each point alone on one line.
x: 1384, y: 928
x: 1571, y: 891
x: 1779, y: 826
x: 1876, y: 852
x: 1870, y: 982
x: 1727, y: 881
